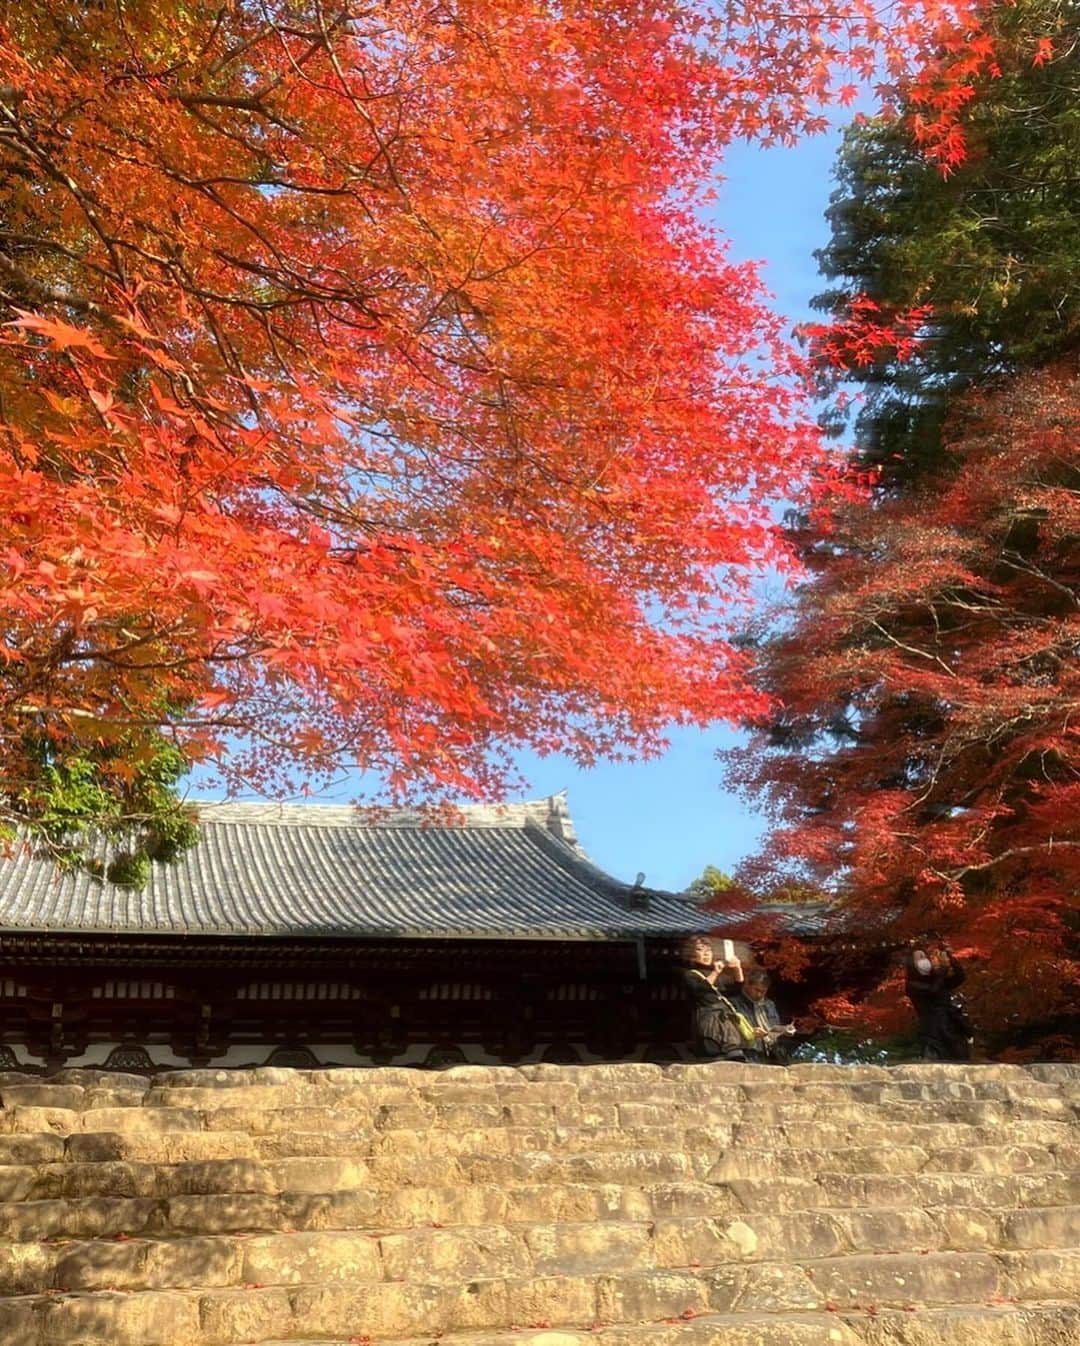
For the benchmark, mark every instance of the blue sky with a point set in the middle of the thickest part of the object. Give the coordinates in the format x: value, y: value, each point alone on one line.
x: 670, y: 817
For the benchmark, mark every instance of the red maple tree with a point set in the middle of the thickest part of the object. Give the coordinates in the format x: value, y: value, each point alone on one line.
x: 928, y: 756
x: 370, y: 385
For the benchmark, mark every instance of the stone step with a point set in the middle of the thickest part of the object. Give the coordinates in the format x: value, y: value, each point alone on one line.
x: 334, y: 1110
x: 159, y: 1133
x: 845, y: 1190
x: 475, y: 1081
x: 1002, y: 1325
x: 412, y: 1207
x: 633, y: 1166
x: 305, y: 1137
x: 108, y: 1176
x: 453, y: 1255
x: 739, y: 1162
x: 382, y: 1310
x: 78, y: 1091
x: 1050, y: 1324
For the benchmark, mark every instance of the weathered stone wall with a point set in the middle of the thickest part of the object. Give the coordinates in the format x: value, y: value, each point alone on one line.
x: 621, y: 1205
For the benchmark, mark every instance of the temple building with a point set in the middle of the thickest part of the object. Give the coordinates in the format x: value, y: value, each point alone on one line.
x: 313, y: 935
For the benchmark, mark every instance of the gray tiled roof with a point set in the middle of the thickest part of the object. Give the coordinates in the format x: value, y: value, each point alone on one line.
x: 326, y: 871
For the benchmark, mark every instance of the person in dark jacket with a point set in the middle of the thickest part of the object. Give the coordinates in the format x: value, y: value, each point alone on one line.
x: 773, y: 1036
x: 932, y: 979
x: 718, y: 1028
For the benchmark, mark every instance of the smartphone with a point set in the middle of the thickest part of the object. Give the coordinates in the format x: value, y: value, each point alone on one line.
x: 729, y: 950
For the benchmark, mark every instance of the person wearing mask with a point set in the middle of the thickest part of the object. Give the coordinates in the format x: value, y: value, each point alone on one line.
x: 932, y: 978
x: 719, y: 1029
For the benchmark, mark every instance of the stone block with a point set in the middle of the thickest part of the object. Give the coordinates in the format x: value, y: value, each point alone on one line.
x: 646, y: 1114
x: 24, y: 1182
x: 705, y: 1242
x: 354, y: 1209
x: 150, y: 1147
x: 897, y: 1279
x: 20, y: 1322
x: 641, y: 1138
x: 150, y: 1120
x: 449, y: 1256
x: 1043, y: 1274
x: 478, y: 1306
x: 97, y: 1097
x: 649, y: 1296
x: 23, y: 1221
x: 469, y: 1114
x: 101, y: 1266
x: 293, y: 1118
x: 1045, y: 1227
x: 282, y: 1077
x: 587, y: 1113
x: 430, y: 1143
x: 814, y: 1073
x: 374, y: 1310
x: 43, y: 1148
x: 404, y: 1170
x: 967, y: 1228
x: 310, y: 1145
x: 872, y: 1159
x: 1022, y: 1325
x: 551, y: 1300
x: 366, y: 1099
x: 24, y: 1121
x: 414, y: 1207
x: 91, y: 1077
x: 215, y: 1175
x: 893, y: 1229
x: 1057, y: 1073
x: 992, y: 1159
x: 409, y: 1116
x: 195, y: 1263
x: 780, y: 1287
x: 247, y: 1315
x: 313, y: 1175
x: 542, y: 1094
x: 25, y: 1269
x: 70, y: 1097
x: 476, y: 1076
x: 367, y: 1080
x: 528, y: 1114
x: 311, y: 1258
x: 722, y: 1073
x: 210, y: 1098
x: 870, y: 1189
x: 450, y: 1093
x: 560, y: 1202
x: 775, y: 1195
x: 621, y: 1075
x: 585, y: 1249
x: 215, y: 1078
x: 224, y: 1213
x: 965, y: 1189
x: 106, y: 1179
x: 149, y: 1319
x: 631, y: 1166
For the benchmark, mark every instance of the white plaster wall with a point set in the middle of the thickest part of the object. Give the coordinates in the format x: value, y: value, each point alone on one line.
x: 336, y: 1054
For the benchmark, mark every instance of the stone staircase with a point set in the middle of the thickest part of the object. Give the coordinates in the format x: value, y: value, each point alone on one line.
x: 624, y: 1205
